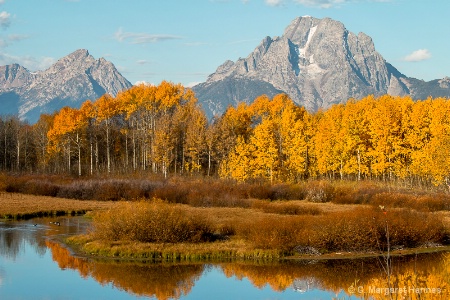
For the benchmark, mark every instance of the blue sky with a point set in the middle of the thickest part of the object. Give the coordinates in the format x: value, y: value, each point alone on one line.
x: 184, y: 41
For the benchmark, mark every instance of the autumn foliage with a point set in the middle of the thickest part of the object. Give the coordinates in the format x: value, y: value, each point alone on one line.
x: 162, y: 130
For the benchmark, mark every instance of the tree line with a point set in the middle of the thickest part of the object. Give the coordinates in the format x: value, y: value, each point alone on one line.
x: 163, y: 130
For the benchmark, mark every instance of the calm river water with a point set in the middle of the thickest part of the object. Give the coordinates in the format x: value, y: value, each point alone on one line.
x: 34, y: 266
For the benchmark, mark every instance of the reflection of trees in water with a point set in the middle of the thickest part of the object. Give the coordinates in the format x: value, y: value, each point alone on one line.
x: 327, y: 274
x: 422, y: 277
x: 2, y: 275
x: 421, y: 271
x: 13, y: 238
x: 163, y: 281
x: 166, y: 281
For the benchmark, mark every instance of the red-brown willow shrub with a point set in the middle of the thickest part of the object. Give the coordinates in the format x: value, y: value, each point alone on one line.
x: 153, y: 221
x: 362, y: 229
x: 425, y: 203
x: 285, y: 207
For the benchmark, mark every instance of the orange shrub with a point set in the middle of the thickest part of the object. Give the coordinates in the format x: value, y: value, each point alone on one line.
x: 285, y: 208
x: 361, y: 229
x: 154, y: 221
x: 426, y: 203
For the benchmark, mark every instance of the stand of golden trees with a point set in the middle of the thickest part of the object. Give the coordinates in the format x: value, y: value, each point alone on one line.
x: 162, y: 130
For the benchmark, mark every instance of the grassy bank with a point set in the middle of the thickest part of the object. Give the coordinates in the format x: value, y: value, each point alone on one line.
x: 22, y: 206
x: 205, y: 218
x: 157, y: 230
x: 206, y: 192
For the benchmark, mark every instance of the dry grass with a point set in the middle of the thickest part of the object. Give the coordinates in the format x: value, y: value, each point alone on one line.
x: 21, y: 206
x: 342, y: 228
x: 324, y: 215
x: 287, y: 207
x: 208, y: 192
x: 154, y: 222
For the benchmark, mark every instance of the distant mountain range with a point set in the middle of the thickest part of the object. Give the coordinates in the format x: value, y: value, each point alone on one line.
x: 69, y: 82
x: 317, y: 62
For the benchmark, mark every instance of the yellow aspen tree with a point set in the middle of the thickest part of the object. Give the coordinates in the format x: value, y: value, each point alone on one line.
x: 259, y: 108
x: 386, y: 136
x: 195, y: 137
x: 169, y: 94
x: 234, y: 123
x: 239, y: 162
x: 418, y: 136
x: 294, y: 141
x: 107, y: 108
x: 163, y: 154
x: 355, y: 137
x: 68, y: 127
x: 328, y: 143
x: 266, y: 154
x: 438, y: 148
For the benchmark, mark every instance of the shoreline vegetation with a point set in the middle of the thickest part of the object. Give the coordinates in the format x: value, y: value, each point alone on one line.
x: 191, y: 219
x: 370, y: 175
x: 16, y: 206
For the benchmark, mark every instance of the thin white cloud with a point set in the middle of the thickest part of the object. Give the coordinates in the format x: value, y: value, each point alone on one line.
x: 143, y: 82
x: 418, y: 55
x: 29, y: 62
x: 2, y: 1
x: 17, y: 37
x: 5, y: 19
x: 142, y: 62
x: 274, y: 2
x: 196, y: 44
x: 142, y: 38
x: 321, y: 3
x: 5, y: 42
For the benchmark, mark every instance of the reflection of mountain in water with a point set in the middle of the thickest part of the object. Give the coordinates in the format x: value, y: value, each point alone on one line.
x: 305, y: 285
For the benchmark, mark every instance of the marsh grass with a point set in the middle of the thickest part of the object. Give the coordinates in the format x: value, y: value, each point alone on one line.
x: 203, y: 213
x: 208, y: 192
x: 21, y: 206
x: 172, y: 252
x: 293, y: 207
x: 360, y: 229
x: 151, y: 222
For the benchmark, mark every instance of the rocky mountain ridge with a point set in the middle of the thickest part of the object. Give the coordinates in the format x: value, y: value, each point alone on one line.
x: 318, y: 63
x: 70, y: 81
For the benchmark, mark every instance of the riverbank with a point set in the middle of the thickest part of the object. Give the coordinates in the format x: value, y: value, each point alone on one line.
x: 213, y: 219
x: 22, y: 206
x: 158, y: 231
x: 84, y: 246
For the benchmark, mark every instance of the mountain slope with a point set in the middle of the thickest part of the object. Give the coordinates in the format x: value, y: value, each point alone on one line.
x: 70, y: 81
x: 317, y: 62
